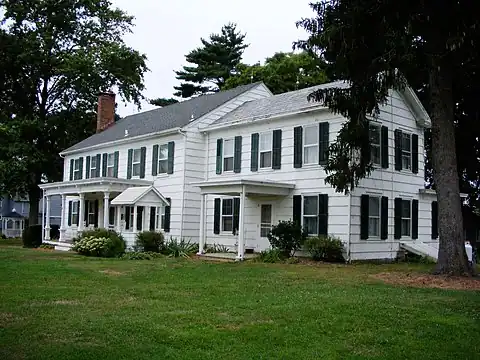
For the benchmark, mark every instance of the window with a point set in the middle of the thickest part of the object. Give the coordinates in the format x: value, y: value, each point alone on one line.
x: 310, y: 144
x: 227, y: 215
x: 77, y: 174
x: 375, y: 144
x: 91, y: 213
x: 111, y: 216
x: 406, y: 218
x: 373, y: 216
x: 75, y: 212
x: 111, y: 165
x: 136, y: 160
x: 265, y: 150
x: 129, y: 218
x: 310, y: 214
x: 406, y: 151
x: 160, y: 217
x: 93, y: 166
x: 163, y: 159
x: 228, y: 148
x: 265, y: 220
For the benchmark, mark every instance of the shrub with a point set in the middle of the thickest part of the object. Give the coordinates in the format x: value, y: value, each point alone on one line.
x: 135, y: 255
x: 32, y: 236
x: 47, y: 247
x: 287, y: 237
x: 182, y: 248
x: 3, y: 236
x: 216, y: 248
x: 99, y: 247
x: 117, y: 243
x: 271, y: 256
x: 149, y: 241
x: 54, y: 232
x: 325, y: 248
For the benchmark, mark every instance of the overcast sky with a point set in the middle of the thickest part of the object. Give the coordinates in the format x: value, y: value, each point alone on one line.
x: 167, y: 30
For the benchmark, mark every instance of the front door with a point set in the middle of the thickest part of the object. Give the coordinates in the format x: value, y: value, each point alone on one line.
x: 266, y: 211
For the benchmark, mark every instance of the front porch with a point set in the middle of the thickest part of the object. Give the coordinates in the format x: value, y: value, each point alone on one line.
x: 122, y: 205
x: 264, y: 193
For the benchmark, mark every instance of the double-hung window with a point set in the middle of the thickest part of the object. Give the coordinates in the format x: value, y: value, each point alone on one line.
x: 160, y: 217
x: 228, y: 149
x: 75, y: 206
x: 266, y: 150
x: 310, y: 144
x: 373, y: 216
x: 136, y: 161
x: 406, y: 151
x: 310, y: 214
x: 111, y: 165
x: 77, y: 172
x: 129, y: 217
x: 375, y: 144
x: 91, y: 213
x: 93, y: 166
x: 163, y: 159
x: 406, y: 218
x: 227, y: 214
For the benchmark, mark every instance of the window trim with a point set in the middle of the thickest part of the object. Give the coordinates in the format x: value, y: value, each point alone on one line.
x: 232, y: 156
x: 77, y: 175
x: 159, y: 218
x: 222, y: 215
x: 91, y: 205
x: 264, y: 225
x: 312, y: 216
x: 160, y: 159
x: 134, y: 163
x: 269, y: 135
x: 379, y: 145
x: 131, y: 217
x: 112, y: 165
x: 406, y: 152
x: 93, y: 169
x: 402, y: 218
x: 379, y: 217
x: 316, y: 145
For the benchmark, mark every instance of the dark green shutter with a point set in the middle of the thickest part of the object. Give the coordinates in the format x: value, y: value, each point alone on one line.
x: 277, y: 149
x: 216, y: 216
x: 398, y: 150
x: 69, y: 213
x: 415, y: 153
x: 72, y: 164
x: 323, y: 214
x: 398, y: 219
x: 236, y: 215
x: 323, y: 138
x: 143, y: 158
x: 414, y: 219
x: 254, y: 152
x: 129, y: 163
x: 171, y: 157
x: 384, y: 147
x: 152, y: 218
x: 219, y: 156
x: 237, y: 155
x: 297, y: 209
x: 155, y: 160
x: 104, y: 165
x: 364, y: 212
x: 85, y: 213
x: 384, y: 219
x: 96, y: 213
x: 87, y: 166
x: 434, y: 220
x: 168, y: 214
x: 139, y: 218
x: 80, y: 166
x: 297, y: 147
x: 115, y: 164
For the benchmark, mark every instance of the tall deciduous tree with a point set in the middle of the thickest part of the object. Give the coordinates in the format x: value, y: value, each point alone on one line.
x: 211, y: 64
x: 55, y: 56
x: 282, y: 72
x: 371, y: 44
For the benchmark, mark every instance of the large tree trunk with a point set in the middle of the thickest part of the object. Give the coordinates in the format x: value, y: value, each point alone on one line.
x: 452, y: 257
x: 34, y: 195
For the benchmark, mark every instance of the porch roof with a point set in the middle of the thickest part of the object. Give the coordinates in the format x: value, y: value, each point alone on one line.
x: 251, y: 187
x: 91, y: 185
x: 133, y: 195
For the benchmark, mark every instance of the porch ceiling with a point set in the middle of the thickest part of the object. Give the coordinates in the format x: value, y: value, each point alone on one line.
x: 251, y: 187
x: 103, y: 184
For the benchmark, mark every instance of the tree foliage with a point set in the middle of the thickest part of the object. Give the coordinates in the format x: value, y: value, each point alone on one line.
x: 55, y: 56
x: 282, y: 72
x: 376, y: 46
x: 212, y: 64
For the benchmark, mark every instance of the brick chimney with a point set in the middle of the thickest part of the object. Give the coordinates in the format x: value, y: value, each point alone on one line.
x: 105, y: 111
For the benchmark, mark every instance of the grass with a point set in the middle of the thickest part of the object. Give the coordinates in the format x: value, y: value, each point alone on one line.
x: 63, y: 306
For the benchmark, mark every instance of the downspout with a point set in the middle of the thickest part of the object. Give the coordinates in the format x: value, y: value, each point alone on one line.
x: 392, y: 177
x: 43, y: 216
x: 349, y: 225
x: 180, y: 131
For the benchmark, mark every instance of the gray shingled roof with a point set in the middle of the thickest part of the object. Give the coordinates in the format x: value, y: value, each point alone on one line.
x: 168, y: 117
x: 279, y: 104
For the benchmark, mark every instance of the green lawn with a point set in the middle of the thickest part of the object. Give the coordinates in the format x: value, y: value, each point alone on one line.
x: 63, y: 306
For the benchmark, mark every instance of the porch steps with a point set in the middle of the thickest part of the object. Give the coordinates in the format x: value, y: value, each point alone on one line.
x: 431, y: 250
x: 224, y: 257
x: 59, y: 246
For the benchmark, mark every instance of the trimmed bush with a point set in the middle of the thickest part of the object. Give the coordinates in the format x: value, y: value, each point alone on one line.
x: 149, y: 241
x: 115, y: 245
x: 325, y: 248
x: 287, y: 237
x: 135, y: 255
x: 32, y: 236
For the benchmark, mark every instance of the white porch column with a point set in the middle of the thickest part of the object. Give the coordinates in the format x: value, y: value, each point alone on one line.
x: 241, y: 226
x: 47, y: 219
x: 81, y: 212
x: 118, y: 218
x: 106, y: 208
x: 134, y: 230
x: 201, y: 242
x: 62, y: 219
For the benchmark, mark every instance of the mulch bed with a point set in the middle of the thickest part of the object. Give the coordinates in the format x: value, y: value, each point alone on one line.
x: 429, y: 281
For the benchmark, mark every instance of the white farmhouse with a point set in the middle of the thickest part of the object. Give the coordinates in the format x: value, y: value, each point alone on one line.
x: 223, y: 168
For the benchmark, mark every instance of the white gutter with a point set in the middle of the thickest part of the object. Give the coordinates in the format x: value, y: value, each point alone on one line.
x: 249, y: 120
x: 125, y: 140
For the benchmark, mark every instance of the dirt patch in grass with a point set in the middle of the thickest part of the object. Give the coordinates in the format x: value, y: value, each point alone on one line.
x: 65, y: 302
x: 429, y: 281
x: 7, y: 318
x: 112, y: 272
